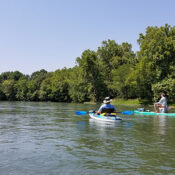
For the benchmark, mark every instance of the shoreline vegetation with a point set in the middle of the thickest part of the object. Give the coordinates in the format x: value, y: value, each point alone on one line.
x: 130, y: 102
x: 113, y: 70
x: 120, y: 102
x: 126, y: 102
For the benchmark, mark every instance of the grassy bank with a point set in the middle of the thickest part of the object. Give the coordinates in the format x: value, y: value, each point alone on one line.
x: 136, y: 102
x: 120, y: 101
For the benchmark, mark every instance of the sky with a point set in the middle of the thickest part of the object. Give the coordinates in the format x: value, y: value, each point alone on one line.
x: 51, y: 34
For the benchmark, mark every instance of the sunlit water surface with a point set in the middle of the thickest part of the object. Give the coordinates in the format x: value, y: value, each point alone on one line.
x: 50, y: 139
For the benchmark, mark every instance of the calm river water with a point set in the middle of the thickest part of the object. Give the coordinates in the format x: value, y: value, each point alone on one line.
x: 49, y: 139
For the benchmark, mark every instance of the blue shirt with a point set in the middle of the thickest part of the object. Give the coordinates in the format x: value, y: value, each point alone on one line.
x: 106, y: 106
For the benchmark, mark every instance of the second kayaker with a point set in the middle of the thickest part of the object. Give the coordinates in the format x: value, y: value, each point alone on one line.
x: 162, y: 104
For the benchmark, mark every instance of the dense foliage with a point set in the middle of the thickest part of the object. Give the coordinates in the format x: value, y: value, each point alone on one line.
x: 113, y: 70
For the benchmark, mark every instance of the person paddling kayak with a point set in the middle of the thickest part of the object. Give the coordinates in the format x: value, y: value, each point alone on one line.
x: 161, y: 104
x: 106, y: 107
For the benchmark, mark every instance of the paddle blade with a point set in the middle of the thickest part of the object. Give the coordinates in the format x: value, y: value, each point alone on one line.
x: 127, y: 112
x: 81, y: 112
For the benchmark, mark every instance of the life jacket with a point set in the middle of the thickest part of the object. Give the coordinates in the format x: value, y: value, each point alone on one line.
x: 107, y: 110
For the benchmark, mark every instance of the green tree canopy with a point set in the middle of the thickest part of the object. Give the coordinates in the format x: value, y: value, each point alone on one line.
x: 113, y: 70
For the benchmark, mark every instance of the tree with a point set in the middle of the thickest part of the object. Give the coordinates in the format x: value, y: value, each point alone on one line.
x: 8, y: 89
x: 34, y: 84
x: 113, y: 55
x: 60, y: 85
x: 45, y: 93
x: 139, y: 81
x: 56, y: 86
x: 33, y: 90
x: 90, y: 71
x: 21, y: 89
x: 167, y: 86
x: 119, y: 80
x: 108, y: 53
x: 158, y: 47
x: 156, y: 58
x: 78, y: 89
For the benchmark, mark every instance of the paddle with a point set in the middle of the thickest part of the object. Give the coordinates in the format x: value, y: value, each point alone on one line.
x: 84, y: 112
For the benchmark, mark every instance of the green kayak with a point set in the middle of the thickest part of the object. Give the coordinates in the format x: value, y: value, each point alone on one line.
x: 153, y: 113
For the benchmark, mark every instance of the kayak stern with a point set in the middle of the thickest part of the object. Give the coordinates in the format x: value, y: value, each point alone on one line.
x: 104, y: 118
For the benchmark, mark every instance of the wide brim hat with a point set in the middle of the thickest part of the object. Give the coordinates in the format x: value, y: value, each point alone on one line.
x: 107, y: 100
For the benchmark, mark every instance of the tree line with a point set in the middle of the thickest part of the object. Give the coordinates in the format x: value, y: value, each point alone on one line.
x: 112, y: 70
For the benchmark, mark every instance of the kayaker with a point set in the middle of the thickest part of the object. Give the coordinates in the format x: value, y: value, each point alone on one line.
x: 161, y: 104
x: 106, y: 107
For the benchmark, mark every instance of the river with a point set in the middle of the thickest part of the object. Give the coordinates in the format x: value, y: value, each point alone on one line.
x: 38, y: 138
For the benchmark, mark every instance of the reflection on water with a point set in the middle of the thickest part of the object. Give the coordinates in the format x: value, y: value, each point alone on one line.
x: 48, y: 138
x: 160, y: 124
x: 102, y: 124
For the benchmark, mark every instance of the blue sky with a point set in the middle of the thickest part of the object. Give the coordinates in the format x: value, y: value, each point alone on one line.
x: 51, y: 34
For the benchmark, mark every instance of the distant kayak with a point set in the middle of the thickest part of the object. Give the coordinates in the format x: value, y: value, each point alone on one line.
x: 104, y: 118
x: 153, y: 113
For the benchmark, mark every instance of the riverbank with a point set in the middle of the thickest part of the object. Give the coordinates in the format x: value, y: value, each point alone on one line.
x: 136, y: 102
x: 120, y: 101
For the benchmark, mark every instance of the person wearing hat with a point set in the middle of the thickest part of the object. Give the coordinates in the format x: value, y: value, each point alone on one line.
x: 106, y: 107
